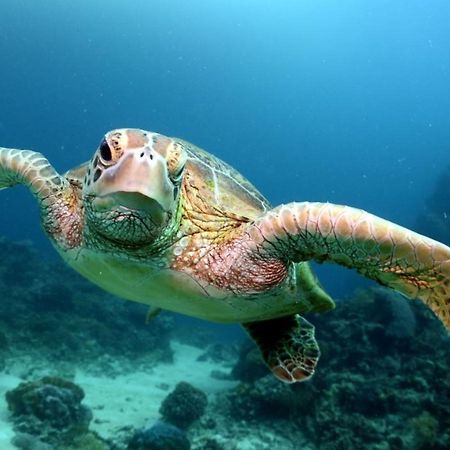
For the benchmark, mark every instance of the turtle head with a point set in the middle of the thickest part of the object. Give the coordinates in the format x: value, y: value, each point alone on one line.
x: 131, y: 189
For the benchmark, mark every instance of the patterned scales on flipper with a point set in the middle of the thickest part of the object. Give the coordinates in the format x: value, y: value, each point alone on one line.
x: 288, y: 346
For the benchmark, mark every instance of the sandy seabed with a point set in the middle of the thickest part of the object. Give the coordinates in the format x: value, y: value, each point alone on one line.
x: 129, y: 399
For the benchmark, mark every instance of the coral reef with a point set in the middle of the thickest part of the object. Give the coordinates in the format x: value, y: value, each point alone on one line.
x: 211, y: 444
x: 426, y: 429
x: 26, y: 441
x: 217, y: 352
x: 382, y: 382
x: 159, y: 436
x: 52, y: 400
x: 183, y: 405
x: 434, y: 220
x: 87, y: 441
x: 250, y: 366
x: 265, y: 398
x: 66, y: 320
x: 399, y: 316
x: 49, y: 409
x: 3, y: 350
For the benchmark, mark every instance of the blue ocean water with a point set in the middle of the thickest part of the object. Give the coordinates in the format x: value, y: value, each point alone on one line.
x: 339, y: 101
x: 346, y: 102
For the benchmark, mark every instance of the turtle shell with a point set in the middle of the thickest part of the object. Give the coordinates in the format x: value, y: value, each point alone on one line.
x: 220, y: 186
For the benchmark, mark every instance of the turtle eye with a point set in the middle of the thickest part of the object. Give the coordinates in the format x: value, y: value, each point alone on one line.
x: 105, y: 151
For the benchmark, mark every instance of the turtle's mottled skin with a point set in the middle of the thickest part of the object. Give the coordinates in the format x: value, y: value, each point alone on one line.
x: 159, y: 221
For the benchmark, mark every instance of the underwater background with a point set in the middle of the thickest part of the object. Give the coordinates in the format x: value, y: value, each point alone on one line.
x: 346, y: 102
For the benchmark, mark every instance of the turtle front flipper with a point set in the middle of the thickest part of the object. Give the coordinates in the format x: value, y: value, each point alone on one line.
x: 31, y: 169
x: 56, y: 197
x: 394, y: 256
x: 288, y: 346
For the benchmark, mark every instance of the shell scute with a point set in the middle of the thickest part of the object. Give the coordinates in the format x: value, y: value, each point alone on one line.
x: 221, y: 186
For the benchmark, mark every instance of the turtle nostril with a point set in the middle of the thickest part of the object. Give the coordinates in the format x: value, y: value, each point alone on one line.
x: 142, y: 155
x: 151, y: 156
x: 97, y: 174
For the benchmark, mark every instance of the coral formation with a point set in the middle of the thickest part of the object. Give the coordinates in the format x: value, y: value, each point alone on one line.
x: 217, y: 352
x: 66, y: 319
x: 250, y: 365
x: 26, y: 441
x: 183, y: 405
x: 434, y: 220
x: 211, y: 444
x: 265, y: 398
x: 52, y: 400
x: 400, y: 319
x: 49, y: 408
x: 3, y: 350
x: 86, y: 441
x: 159, y: 436
x: 382, y: 381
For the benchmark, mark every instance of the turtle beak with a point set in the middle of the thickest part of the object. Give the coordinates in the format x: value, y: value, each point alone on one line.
x: 139, y: 180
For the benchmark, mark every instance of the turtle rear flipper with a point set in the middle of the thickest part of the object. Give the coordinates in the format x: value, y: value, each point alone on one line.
x: 288, y: 346
x: 313, y: 296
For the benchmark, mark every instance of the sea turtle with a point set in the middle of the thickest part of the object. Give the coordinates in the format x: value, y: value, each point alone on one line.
x: 159, y: 221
